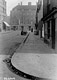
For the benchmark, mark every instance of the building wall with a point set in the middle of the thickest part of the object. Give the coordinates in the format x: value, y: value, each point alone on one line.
x: 40, y: 14
x: 44, y: 7
x: 7, y: 19
x: 48, y: 4
x: 55, y: 16
x: 39, y: 17
x: 52, y: 28
x: 23, y: 14
x: 2, y: 11
x: 54, y: 3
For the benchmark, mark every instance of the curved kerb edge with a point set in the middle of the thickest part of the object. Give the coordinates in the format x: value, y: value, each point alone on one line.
x: 20, y: 73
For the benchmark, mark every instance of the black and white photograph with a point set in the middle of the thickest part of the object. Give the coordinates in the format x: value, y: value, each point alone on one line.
x: 28, y: 39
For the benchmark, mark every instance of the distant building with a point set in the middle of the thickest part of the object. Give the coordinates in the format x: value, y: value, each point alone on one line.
x: 23, y: 15
x: 2, y: 12
x: 50, y: 22
x: 39, y: 15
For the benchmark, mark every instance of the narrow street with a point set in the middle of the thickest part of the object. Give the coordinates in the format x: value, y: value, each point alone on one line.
x: 34, y: 57
x: 28, y: 40
x: 8, y: 40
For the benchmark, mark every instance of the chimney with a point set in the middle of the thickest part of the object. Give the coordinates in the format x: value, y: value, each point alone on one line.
x: 21, y: 3
x: 29, y: 3
x: 36, y: 3
x: 18, y: 3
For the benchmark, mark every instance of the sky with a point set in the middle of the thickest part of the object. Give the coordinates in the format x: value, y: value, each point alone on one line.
x: 12, y: 3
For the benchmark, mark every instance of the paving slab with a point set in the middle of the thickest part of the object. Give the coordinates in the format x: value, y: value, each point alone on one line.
x: 39, y: 65
x: 35, y: 45
x: 36, y: 58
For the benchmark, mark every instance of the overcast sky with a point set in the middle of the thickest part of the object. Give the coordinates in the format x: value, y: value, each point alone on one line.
x: 13, y: 3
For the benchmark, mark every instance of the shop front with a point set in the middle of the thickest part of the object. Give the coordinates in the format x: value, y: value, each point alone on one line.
x: 50, y: 30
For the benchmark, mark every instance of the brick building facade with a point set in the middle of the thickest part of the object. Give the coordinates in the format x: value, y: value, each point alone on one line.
x: 23, y: 15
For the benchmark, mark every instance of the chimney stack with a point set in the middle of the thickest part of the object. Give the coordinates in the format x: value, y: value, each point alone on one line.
x: 29, y: 3
x: 18, y: 3
x: 21, y: 3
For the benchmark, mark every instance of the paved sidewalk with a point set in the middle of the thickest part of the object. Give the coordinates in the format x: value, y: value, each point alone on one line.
x: 36, y: 58
x: 35, y: 45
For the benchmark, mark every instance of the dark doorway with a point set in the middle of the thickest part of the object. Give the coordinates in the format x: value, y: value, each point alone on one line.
x: 53, y: 33
x: 48, y: 29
